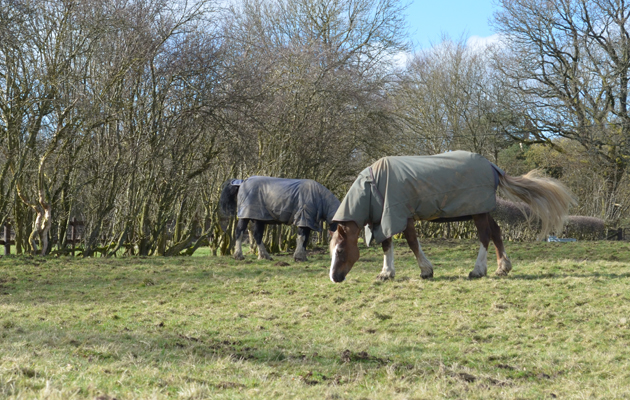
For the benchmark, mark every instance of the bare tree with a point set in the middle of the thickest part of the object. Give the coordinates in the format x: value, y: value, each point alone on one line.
x: 318, y: 97
x: 567, y: 64
x: 125, y: 115
x: 159, y: 140
x: 446, y: 100
x: 95, y: 95
x: 43, y: 63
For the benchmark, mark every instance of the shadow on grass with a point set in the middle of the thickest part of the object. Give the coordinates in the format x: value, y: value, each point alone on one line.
x: 451, y: 278
x: 566, y: 275
x: 163, y: 344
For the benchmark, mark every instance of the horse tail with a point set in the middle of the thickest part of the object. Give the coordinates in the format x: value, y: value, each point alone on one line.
x: 548, y: 198
x: 227, y: 200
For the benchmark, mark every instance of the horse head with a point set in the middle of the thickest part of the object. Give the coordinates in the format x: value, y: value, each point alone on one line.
x: 228, y: 198
x: 344, y: 250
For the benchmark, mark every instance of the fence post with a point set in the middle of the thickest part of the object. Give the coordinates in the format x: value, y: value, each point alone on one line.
x: 620, y: 234
x: 73, y: 233
x: 7, y: 239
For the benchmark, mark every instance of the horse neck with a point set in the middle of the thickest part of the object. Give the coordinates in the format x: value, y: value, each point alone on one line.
x: 362, y: 195
x: 331, y: 205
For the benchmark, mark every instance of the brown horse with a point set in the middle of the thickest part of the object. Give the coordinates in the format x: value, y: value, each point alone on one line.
x: 394, y: 191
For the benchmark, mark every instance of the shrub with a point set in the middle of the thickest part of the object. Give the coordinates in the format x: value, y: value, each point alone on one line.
x: 585, y: 228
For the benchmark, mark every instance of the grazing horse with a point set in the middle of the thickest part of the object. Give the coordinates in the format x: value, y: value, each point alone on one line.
x: 265, y: 200
x: 389, y: 195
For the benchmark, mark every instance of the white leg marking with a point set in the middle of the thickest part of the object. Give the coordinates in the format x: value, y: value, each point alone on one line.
x: 238, y: 250
x: 388, y: 271
x: 262, y: 252
x: 300, y: 249
x: 481, y: 265
x: 426, y: 268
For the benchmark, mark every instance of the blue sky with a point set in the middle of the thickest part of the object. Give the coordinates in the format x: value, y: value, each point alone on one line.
x: 429, y: 19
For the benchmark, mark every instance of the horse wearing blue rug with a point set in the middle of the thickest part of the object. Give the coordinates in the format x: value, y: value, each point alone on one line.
x: 266, y: 200
x: 390, y: 194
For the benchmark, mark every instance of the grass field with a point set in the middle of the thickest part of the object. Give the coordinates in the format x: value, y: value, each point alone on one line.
x: 210, y: 327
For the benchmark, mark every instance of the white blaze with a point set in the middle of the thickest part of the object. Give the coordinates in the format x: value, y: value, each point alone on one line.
x: 332, y: 264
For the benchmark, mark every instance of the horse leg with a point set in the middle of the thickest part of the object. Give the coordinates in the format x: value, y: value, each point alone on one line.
x: 483, y: 230
x: 241, y: 228
x: 505, y: 265
x: 259, y: 230
x: 302, y: 240
x: 252, y: 248
x: 426, y: 268
x: 388, y: 271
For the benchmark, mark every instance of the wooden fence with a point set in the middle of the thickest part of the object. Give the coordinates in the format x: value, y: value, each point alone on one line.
x: 617, y: 234
x: 7, y: 241
x: 72, y: 236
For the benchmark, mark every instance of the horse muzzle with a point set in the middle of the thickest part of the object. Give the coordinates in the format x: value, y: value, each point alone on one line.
x: 337, y: 277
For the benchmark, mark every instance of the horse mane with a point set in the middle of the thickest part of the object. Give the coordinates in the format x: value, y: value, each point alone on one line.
x: 547, y: 197
x: 227, y: 200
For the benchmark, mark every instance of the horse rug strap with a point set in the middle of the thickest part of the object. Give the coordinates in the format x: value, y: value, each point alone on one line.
x: 300, y: 202
x: 394, y: 189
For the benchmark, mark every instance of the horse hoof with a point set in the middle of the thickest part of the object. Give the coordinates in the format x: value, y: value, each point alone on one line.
x: 238, y: 257
x: 505, y: 266
x: 384, y: 277
x: 428, y: 276
x: 299, y: 256
x: 474, y: 275
x: 265, y: 258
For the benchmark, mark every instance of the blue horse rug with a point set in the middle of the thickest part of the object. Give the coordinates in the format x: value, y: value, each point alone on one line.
x: 300, y: 202
x: 393, y: 189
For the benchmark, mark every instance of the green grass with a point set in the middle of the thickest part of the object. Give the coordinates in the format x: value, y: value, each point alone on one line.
x: 210, y: 327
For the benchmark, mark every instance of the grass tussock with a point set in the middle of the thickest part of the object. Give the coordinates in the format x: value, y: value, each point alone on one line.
x: 210, y: 327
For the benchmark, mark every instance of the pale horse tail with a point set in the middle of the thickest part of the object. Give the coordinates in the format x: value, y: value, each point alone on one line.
x: 548, y: 198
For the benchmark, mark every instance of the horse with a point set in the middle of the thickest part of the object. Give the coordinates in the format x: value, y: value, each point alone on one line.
x: 266, y: 200
x: 388, y: 196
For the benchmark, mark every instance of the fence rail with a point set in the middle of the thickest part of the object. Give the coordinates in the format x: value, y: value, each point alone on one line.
x: 7, y: 242
x: 617, y: 235
x: 72, y: 236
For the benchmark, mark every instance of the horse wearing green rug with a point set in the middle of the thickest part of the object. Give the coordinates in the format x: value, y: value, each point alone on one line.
x: 390, y: 194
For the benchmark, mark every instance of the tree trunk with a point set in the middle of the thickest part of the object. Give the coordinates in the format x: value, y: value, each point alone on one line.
x: 161, y: 244
x: 227, y: 242
x: 145, y: 231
